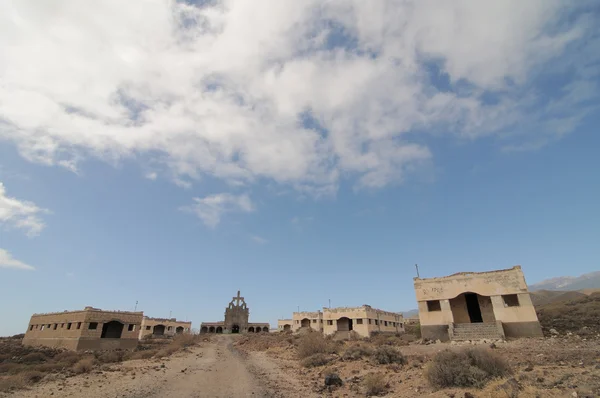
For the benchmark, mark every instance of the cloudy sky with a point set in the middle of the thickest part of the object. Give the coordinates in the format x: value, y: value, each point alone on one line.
x: 173, y: 152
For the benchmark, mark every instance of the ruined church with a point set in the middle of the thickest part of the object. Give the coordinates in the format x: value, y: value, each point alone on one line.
x: 237, y: 316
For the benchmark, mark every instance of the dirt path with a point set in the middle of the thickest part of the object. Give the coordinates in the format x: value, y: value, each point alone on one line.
x: 214, y: 369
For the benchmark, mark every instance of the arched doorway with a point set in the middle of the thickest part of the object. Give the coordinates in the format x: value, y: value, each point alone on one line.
x: 158, y: 330
x: 265, y: 329
x: 112, y: 330
x: 235, y: 329
x: 305, y: 323
x: 471, y: 307
x: 257, y: 329
x: 204, y: 329
x: 219, y: 329
x: 211, y: 329
x: 179, y: 330
x: 344, y: 324
x: 251, y: 329
x: 287, y: 328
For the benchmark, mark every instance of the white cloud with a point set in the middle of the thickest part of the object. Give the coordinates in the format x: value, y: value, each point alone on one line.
x: 151, y: 176
x: 258, y: 239
x: 20, y: 214
x: 7, y: 261
x: 223, y: 89
x: 211, y: 208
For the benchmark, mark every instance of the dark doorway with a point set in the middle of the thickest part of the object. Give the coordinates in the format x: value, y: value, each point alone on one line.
x: 305, y: 323
x: 158, y: 330
x: 235, y: 329
x: 219, y: 329
x: 204, y: 329
x: 344, y: 324
x: 265, y: 329
x: 112, y: 330
x: 211, y: 329
x: 287, y: 328
x: 257, y: 329
x: 179, y: 330
x: 251, y: 329
x: 473, y: 308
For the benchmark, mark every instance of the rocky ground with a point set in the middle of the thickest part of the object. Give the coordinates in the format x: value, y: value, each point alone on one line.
x: 268, y: 365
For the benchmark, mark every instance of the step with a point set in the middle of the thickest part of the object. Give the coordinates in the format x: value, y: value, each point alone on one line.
x: 476, y: 331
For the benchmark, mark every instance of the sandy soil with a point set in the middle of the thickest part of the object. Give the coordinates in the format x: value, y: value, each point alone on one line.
x: 213, y: 369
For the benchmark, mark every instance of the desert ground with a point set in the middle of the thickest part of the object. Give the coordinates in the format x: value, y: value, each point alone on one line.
x: 564, y: 363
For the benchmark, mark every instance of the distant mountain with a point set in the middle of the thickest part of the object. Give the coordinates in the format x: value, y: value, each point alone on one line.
x: 586, y: 281
x: 410, y: 314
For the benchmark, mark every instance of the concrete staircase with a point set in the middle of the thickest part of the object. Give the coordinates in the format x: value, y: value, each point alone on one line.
x: 476, y: 331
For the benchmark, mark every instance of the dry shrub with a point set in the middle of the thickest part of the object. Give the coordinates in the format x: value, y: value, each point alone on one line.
x: 387, y: 355
x: 374, y: 384
x: 165, y: 352
x: 13, y: 382
x: 146, y: 354
x: 316, y: 360
x: 68, y: 357
x: 185, y: 340
x: 84, y: 365
x: 472, y: 367
x: 34, y: 357
x: 109, y: 356
x: 356, y: 352
x: 312, y: 343
x: 32, y: 376
x: 11, y: 368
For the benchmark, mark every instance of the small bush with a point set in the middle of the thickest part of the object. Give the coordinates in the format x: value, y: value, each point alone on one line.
x: 109, y: 356
x: 356, y: 352
x: 316, y: 360
x: 165, y: 352
x: 375, y: 384
x: 68, y: 357
x: 9, y: 383
x: 32, y: 376
x: 84, y: 366
x: 146, y: 354
x: 34, y: 357
x: 467, y: 368
x: 312, y: 343
x: 185, y: 340
x: 386, y: 355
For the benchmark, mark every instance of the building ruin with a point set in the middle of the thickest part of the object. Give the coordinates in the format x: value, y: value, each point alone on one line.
x: 157, y: 327
x: 237, y: 316
x: 476, y: 305
x: 88, y: 329
x: 284, y: 325
x: 364, y: 320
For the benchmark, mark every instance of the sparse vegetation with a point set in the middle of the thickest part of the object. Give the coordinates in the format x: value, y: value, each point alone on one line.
x: 85, y: 365
x: 316, y: 360
x: 384, y: 355
x: 312, y: 343
x: 356, y: 352
x: 472, y: 367
x: 374, y: 384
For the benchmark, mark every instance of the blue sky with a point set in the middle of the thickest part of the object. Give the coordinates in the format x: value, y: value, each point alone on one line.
x: 297, y: 165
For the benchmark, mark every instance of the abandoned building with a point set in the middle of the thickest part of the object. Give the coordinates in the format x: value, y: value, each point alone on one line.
x: 163, y: 327
x: 312, y: 320
x: 88, y: 329
x: 284, y: 325
x: 476, y: 305
x: 237, y: 315
x: 363, y: 320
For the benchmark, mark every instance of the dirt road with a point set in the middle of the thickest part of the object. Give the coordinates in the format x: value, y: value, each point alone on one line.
x: 215, y: 369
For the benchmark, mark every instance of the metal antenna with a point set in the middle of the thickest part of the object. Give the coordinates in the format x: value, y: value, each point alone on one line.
x: 417, y: 268
x: 135, y: 309
x: 329, y: 303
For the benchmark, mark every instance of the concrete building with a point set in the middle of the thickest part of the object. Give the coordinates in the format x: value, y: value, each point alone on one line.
x: 307, y: 320
x: 237, y: 316
x: 88, y: 329
x: 363, y: 320
x: 284, y: 325
x: 163, y: 327
x: 476, y: 305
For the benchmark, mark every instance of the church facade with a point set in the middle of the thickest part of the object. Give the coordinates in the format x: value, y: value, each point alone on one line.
x: 237, y: 316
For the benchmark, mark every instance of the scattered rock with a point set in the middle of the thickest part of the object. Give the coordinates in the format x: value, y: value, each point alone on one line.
x: 333, y: 380
x: 554, y: 332
x: 493, y: 346
x: 511, y: 388
x: 529, y: 368
x: 469, y: 395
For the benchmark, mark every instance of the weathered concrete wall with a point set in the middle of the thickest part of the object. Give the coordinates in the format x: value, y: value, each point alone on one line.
x: 315, y: 320
x: 493, y: 289
x: 285, y: 324
x: 171, y: 326
x: 365, y: 320
x: 68, y: 329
